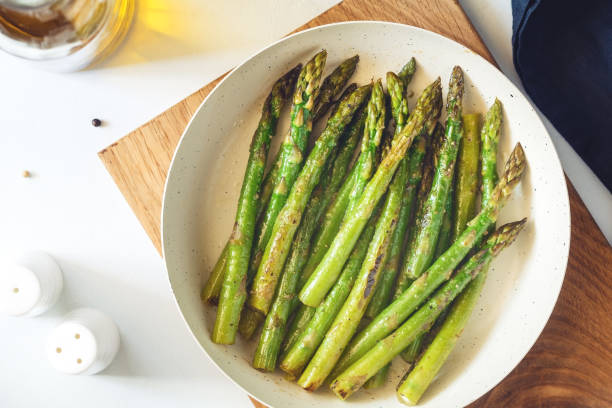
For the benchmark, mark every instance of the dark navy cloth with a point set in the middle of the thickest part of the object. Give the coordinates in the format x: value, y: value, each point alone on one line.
x: 563, y: 54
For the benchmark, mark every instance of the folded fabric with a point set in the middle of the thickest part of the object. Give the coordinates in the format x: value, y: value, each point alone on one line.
x: 563, y: 54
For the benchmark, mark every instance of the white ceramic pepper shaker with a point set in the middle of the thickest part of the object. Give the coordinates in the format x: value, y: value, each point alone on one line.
x: 30, y: 286
x: 86, y: 342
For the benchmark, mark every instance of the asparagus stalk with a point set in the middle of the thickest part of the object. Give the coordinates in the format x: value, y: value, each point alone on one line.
x: 274, y: 328
x: 407, y: 72
x: 249, y: 322
x: 236, y: 264
x: 326, y: 273
x: 301, y: 319
x: 331, y: 221
x: 383, y: 352
x: 272, y: 176
x: 422, y: 248
x: 399, y: 105
x: 329, y: 226
x: 311, y: 336
x: 335, y: 104
x: 251, y: 319
x: 288, y: 221
x: 372, y: 137
x: 348, y: 318
x: 382, y: 293
x: 292, y: 150
x: 271, y: 112
x: 417, y: 381
x: 416, y: 153
x: 467, y: 173
x: 431, y: 160
x: 440, y: 270
x: 348, y: 195
x: 212, y: 287
x: 332, y: 85
x: 411, y: 353
x: 354, y: 185
x: 379, y: 379
x: 489, y: 137
x: 444, y: 240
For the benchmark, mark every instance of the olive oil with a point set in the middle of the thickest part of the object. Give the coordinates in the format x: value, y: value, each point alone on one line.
x: 67, y: 34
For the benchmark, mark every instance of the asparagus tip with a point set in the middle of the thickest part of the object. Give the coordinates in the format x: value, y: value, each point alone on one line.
x: 455, y: 93
x: 407, y: 71
x: 391, y: 74
x: 412, y: 64
x: 506, y: 234
x: 516, y: 161
x: 515, y: 166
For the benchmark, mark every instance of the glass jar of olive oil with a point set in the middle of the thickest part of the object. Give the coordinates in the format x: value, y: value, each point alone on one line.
x: 63, y: 35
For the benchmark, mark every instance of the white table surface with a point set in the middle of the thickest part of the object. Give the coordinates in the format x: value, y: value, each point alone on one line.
x: 72, y: 209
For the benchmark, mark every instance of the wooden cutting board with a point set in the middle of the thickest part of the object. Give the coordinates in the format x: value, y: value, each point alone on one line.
x: 571, y: 363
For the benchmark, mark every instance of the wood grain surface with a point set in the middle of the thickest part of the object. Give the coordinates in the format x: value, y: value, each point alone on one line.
x: 571, y: 363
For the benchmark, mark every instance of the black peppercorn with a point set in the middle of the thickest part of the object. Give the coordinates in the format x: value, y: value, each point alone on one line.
x: 96, y: 122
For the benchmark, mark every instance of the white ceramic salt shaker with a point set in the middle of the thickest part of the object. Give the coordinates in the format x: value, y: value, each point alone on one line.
x: 30, y: 286
x: 86, y: 342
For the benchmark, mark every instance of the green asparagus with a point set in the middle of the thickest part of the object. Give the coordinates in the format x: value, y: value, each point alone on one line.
x: 407, y: 72
x: 444, y: 240
x: 353, y: 187
x: 489, y: 138
x: 302, y: 316
x: 288, y: 220
x: 347, y: 197
x: 347, y: 91
x: 332, y: 85
x: 399, y: 110
x: 329, y: 226
x: 427, y: 110
x: 431, y: 162
x: 233, y: 290
x: 249, y: 322
x: 382, y: 293
x: 292, y: 150
x: 440, y: 270
x: 212, y: 288
x: 421, y: 251
x: 313, y: 332
x: 467, y: 173
x: 348, y: 318
x: 383, y: 352
x: 417, y: 381
x: 372, y: 137
x: 211, y: 291
x: 274, y: 328
x: 379, y: 379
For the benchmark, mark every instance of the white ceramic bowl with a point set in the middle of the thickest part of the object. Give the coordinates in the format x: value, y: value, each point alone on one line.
x: 206, y: 174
